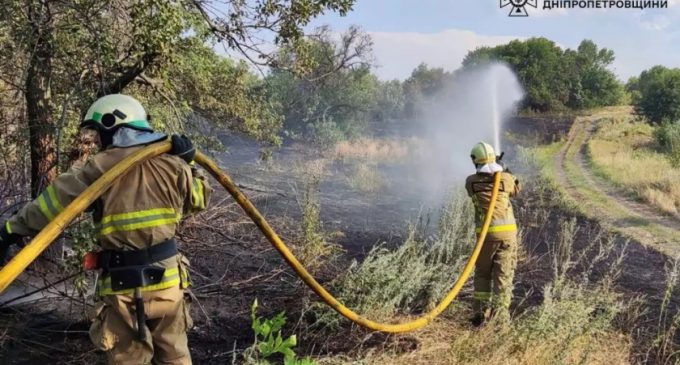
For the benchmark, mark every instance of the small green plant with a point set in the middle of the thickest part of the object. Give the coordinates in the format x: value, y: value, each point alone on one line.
x: 269, y: 341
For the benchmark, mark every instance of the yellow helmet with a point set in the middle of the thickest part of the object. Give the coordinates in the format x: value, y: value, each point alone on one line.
x: 482, y: 153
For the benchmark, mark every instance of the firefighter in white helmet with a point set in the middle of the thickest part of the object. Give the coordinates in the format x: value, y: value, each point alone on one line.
x: 143, y: 316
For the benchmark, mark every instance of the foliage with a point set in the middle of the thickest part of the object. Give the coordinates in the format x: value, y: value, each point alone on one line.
x: 556, y: 79
x: 209, y: 93
x: 412, y: 277
x: 335, y: 96
x: 423, y: 84
x: 367, y: 178
x: 83, y: 237
x: 59, y: 56
x: 390, y: 101
x: 668, y: 137
x: 269, y: 341
x: 656, y: 94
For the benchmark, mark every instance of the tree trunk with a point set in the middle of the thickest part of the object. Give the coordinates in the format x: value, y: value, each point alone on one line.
x: 41, y: 125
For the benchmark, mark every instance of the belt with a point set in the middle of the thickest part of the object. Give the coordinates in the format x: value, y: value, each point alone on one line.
x: 110, y: 259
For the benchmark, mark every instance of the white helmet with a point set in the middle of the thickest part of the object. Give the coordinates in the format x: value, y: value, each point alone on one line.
x: 110, y: 112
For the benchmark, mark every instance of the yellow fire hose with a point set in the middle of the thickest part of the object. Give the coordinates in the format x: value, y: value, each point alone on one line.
x: 29, y: 253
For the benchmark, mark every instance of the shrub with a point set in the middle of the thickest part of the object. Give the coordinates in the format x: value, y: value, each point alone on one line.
x: 412, y: 277
x: 668, y: 137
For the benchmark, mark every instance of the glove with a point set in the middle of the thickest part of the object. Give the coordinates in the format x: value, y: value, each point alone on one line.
x: 183, y: 148
x: 499, y: 161
x: 6, y: 240
x: 502, y: 164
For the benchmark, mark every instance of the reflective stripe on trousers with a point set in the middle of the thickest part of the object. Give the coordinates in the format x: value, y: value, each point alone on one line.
x: 507, y: 225
x: 496, y: 229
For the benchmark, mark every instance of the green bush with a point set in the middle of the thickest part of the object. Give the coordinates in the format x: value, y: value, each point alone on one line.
x: 656, y: 94
x: 413, y: 277
x: 668, y: 137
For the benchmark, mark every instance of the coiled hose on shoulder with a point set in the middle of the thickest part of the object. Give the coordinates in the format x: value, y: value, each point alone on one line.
x: 29, y: 253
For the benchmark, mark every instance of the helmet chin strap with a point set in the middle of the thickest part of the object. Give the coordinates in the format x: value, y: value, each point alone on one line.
x: 106, y: 138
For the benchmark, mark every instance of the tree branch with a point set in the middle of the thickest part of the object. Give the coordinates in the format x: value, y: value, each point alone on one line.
x: 128, y: 75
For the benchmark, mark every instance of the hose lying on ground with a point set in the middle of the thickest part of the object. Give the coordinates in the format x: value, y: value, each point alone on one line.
x: 78, y: 205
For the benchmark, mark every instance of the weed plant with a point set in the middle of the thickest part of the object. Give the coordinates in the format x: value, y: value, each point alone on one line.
x: 315, y: 247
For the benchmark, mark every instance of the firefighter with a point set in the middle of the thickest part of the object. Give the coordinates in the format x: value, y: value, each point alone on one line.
x: 496, y: 263
x: 143, y: 316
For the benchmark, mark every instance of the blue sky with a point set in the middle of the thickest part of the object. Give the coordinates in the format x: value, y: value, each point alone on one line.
x: 441, y: 32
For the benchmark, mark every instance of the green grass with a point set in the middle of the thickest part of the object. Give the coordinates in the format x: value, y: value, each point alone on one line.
x: 543, y: 159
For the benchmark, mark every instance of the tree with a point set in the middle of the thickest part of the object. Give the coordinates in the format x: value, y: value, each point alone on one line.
x: 597, y: 86
x: 61, y: 55
x: 335, y: 95
x: 423, y: 84
x: 63, y: 51
x: 536, y: 62
x: 656, y: 94
x: 390, y: 101
x: 207, y: 91
x: 553, y: 78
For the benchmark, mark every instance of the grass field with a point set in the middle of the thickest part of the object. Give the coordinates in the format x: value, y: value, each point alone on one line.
x: 624, y: 152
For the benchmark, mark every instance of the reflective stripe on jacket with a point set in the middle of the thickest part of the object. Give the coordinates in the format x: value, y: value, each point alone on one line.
x: 141, y: 209
x: 480, y: 187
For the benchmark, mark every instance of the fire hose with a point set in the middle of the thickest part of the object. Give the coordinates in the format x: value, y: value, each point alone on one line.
x: 48, y: 234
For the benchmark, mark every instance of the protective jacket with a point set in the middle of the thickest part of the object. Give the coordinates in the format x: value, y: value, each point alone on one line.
x: 480, y: 187
x: 140, y: 210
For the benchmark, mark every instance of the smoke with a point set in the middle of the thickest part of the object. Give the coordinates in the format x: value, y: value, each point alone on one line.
x: 471, y: 108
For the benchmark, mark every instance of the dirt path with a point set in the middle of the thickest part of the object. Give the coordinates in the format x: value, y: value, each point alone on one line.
x: 599, y: 200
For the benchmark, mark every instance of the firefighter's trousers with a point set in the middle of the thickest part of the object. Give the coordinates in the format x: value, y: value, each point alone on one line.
x: 494, y: 272
x: 167, y: 321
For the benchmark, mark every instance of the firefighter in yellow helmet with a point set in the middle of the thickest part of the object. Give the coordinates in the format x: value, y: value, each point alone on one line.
x: 143, y: 316
x: 495, y: 266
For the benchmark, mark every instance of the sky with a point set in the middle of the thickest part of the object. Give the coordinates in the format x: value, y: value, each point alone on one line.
x: 441, y: 32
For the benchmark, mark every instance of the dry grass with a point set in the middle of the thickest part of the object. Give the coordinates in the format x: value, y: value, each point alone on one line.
x: 450, y: 343
x: 623, y: 151
x: 377, y: 150
x: 315, y: 245
x: 366, y: 178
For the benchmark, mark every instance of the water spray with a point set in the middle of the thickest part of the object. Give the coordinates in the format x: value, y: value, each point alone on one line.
x: 495, y: 113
